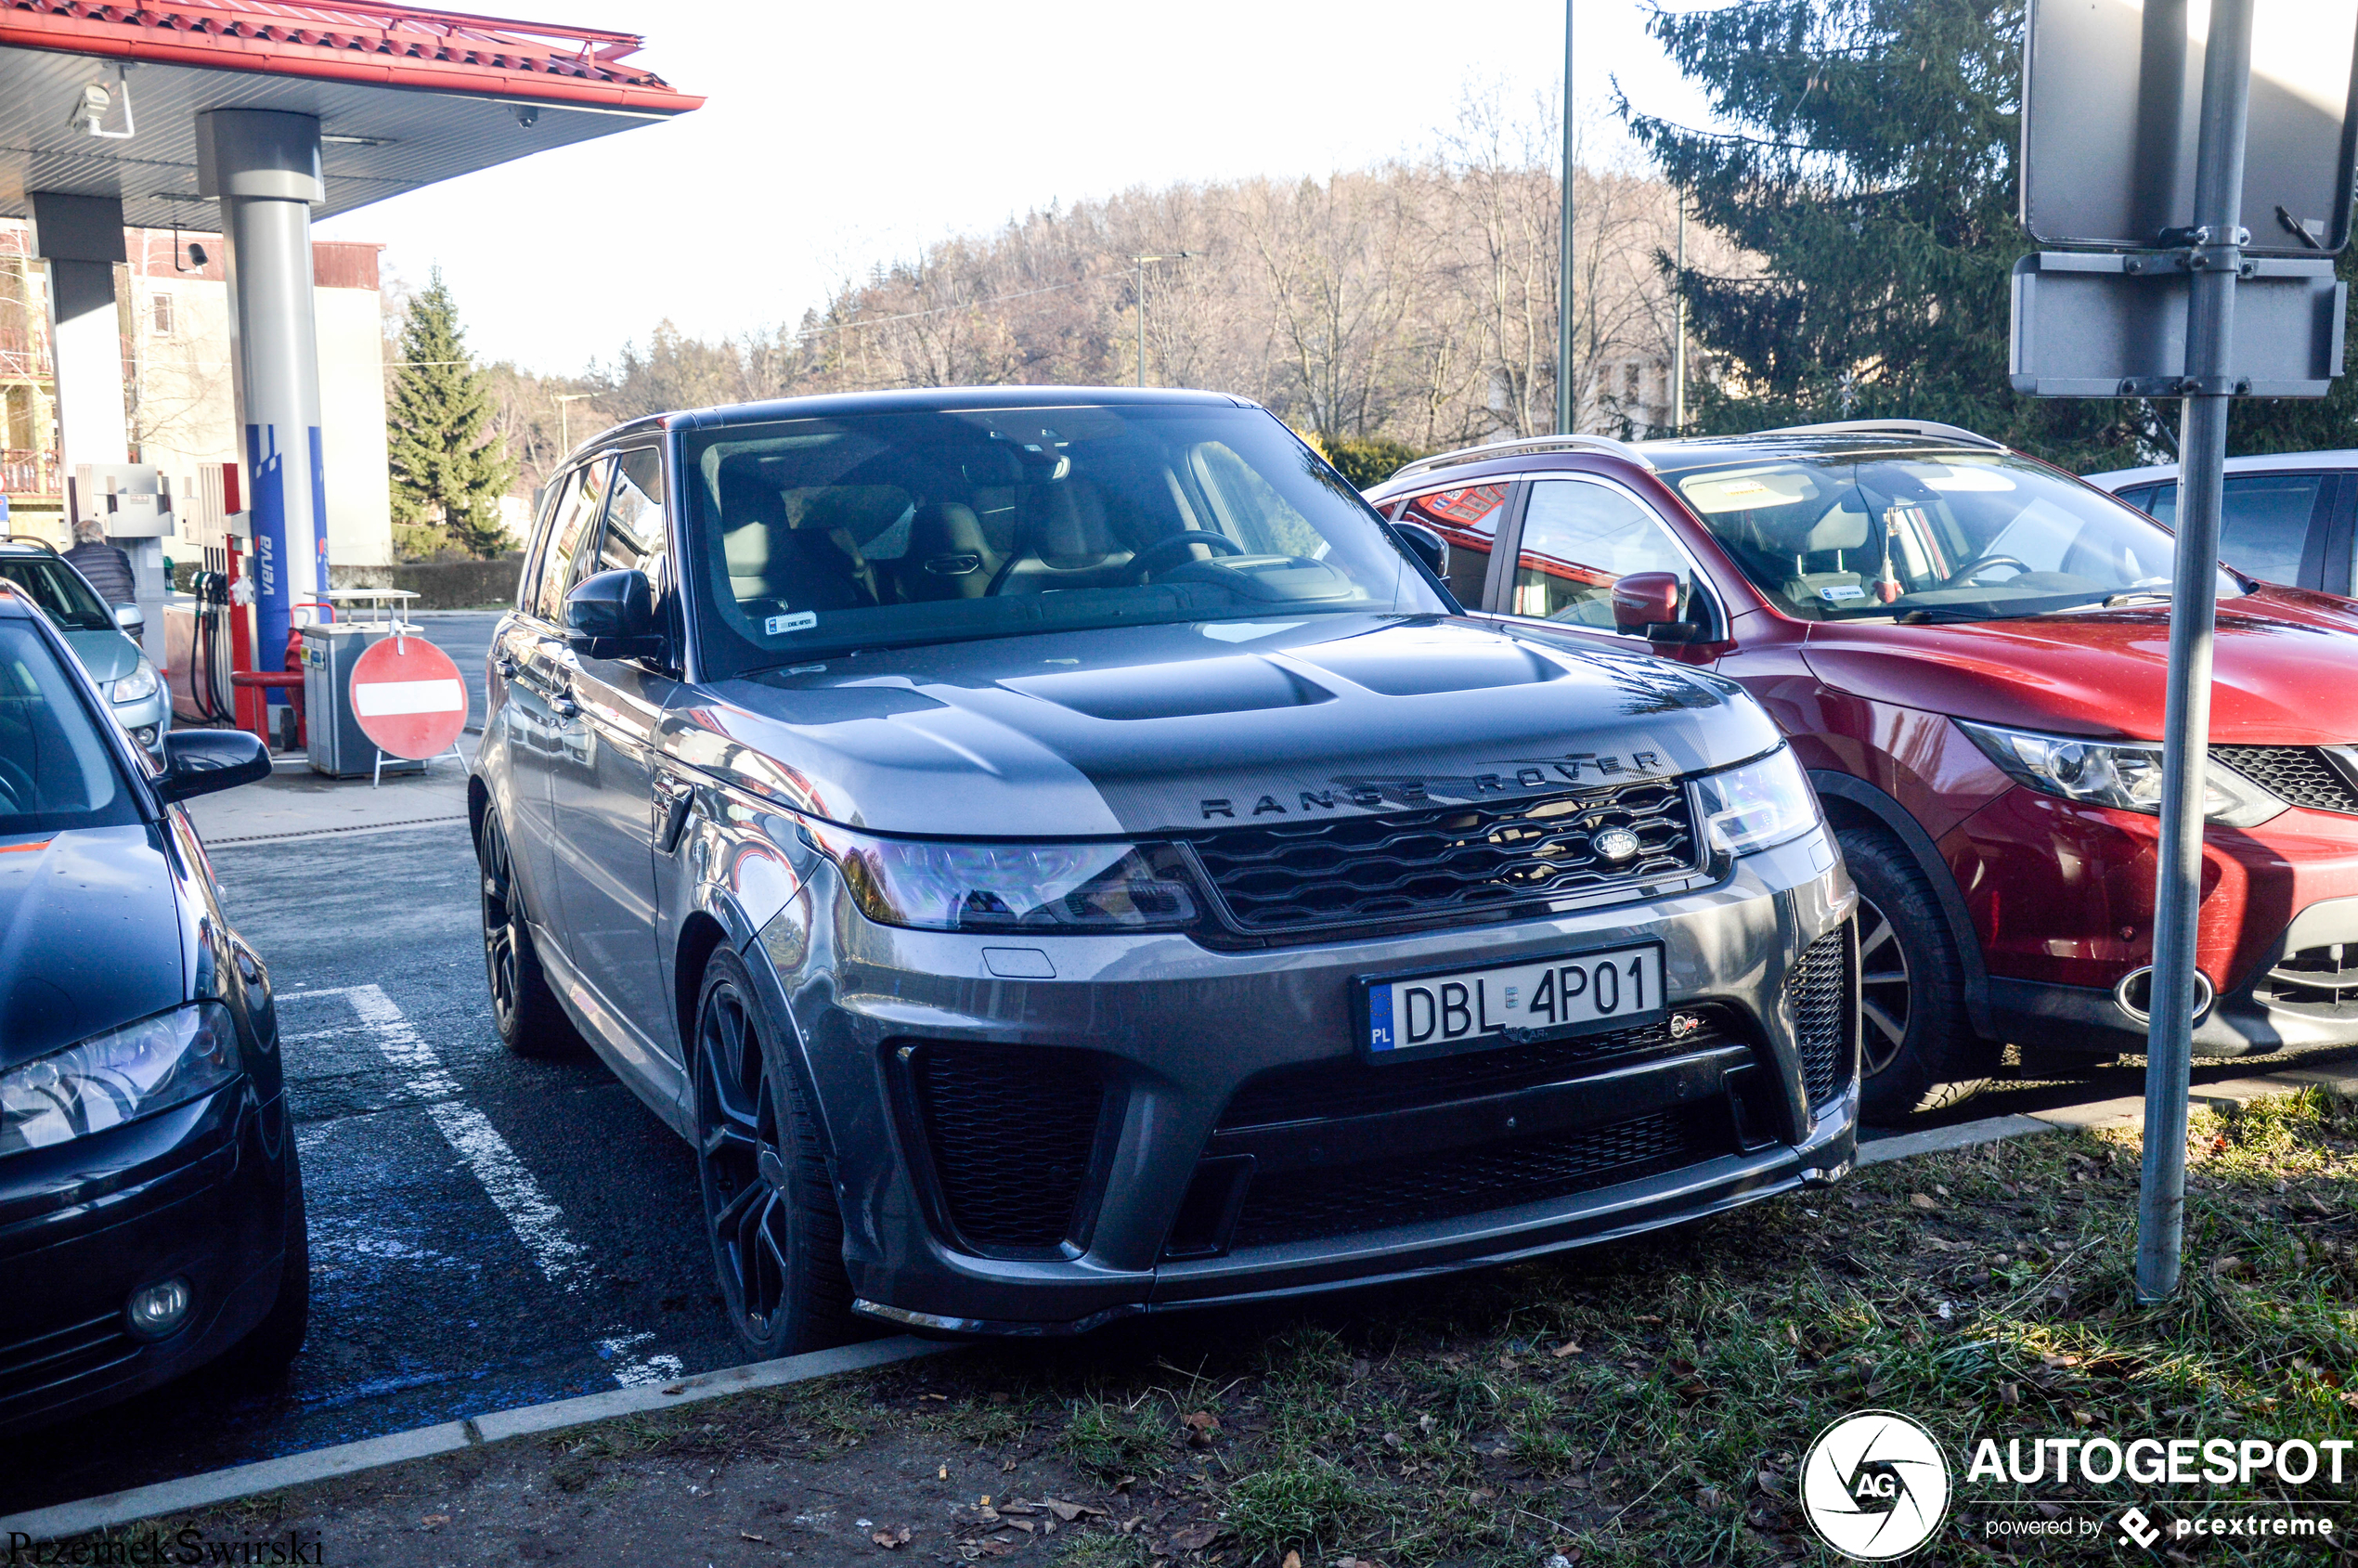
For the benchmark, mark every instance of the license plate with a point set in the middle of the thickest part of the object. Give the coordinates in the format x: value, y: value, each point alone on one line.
x: 1432, y: 1015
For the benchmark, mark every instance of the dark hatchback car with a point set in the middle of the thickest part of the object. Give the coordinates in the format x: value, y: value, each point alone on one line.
x: 150, y: 1212
x: 1058, y: 856
x: 1966, y: 647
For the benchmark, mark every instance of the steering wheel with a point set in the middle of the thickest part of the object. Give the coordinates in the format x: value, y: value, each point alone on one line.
x: 1170, y: 551
x: 1975, y: 568
x: 16, y: 787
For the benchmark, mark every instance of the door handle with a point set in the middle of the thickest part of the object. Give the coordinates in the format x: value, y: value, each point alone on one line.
x: 675, y: 799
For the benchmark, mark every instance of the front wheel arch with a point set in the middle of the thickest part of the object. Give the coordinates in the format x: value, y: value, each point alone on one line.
x: 1853, y: 802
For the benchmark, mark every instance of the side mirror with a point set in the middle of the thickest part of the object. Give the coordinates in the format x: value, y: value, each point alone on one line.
x: 200, y: 761
x: 130, y: 620
x: 611, y: 616
x: 1646, y: 604
x: 1426, y: 546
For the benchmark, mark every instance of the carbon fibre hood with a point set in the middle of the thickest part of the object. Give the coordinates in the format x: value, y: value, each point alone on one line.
x: 1153, y: 729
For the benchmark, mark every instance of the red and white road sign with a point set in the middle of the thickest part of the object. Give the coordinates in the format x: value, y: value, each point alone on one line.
x: 409, y: 698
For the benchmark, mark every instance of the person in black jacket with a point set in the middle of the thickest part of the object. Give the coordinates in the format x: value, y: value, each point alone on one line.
x: 107, y: 567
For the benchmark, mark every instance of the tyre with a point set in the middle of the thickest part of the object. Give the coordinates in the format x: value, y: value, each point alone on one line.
x: 530, y: 1021
x: 1918, y: 1050
x: 270, y: 1345
x: 770, y: 1205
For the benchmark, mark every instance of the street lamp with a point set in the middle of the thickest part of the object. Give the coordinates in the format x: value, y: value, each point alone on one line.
x: 564, y: 418
x: 1138, y: 267
x: 1567, y: 405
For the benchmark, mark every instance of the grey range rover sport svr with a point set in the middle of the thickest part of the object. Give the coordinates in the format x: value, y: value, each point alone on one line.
x: 1056, y: 854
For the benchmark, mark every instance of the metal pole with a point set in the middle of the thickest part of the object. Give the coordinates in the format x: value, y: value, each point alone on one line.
x: 1140, y: 262
x: 2217, y: 253
x: 1567, y: 402
x: 1678, y: 341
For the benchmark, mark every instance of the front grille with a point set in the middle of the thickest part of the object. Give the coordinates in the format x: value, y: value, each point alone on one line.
x: 1309, y: 1205
x: 1349, y: 1086
x: 1442, y: 859
x: 2299, y: 775
x: 2318, y: 979
x: 34, y: 1372
x: 1824, y: 1017
x: 1012, y: 1132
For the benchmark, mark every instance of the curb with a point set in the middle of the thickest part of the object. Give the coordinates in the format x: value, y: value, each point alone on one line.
x: 213, y: 1487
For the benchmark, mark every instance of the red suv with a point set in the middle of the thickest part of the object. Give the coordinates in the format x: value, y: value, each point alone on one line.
x: 1966, y: 647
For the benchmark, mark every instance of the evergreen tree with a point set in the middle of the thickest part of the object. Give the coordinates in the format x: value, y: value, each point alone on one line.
x: 1870, y: 166
x: 445, y: 469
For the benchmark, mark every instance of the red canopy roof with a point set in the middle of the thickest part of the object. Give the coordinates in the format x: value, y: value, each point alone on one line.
x: 356, y: 42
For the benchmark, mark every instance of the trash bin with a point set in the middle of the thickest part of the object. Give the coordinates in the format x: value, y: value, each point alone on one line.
x: 337, y: 746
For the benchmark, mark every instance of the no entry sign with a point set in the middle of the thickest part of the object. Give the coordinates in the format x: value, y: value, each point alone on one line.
x: 407, y: 697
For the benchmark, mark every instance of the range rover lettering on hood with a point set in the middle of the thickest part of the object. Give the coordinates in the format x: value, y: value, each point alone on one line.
x: 1375, y: 794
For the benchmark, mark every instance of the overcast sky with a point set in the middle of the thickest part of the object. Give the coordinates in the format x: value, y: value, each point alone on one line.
x: 849, y: 135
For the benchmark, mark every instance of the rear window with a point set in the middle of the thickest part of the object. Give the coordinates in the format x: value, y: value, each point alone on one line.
x: 57, y: 771
x: 909, y: 527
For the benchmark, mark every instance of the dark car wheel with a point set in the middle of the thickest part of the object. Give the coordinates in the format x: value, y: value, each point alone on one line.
x: 1918, y: 1050
x: 271, y: 1345
x: 777, y: 1239
x: 531, y: 1023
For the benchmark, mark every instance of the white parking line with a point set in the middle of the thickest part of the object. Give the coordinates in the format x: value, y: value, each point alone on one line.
x: 537, y: 1221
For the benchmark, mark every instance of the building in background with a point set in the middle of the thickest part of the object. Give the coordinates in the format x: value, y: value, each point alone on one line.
x: 177, y: 387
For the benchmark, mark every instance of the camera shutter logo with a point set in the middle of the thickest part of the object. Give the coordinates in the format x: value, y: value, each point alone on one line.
x: 1874, y: 1485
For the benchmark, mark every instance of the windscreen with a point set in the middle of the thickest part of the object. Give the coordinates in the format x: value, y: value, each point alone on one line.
x: 866, y: 530
x: 59, y: 590
x: 1952, y: 537
x: 55, y: 770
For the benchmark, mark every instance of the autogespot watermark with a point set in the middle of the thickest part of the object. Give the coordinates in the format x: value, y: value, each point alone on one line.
x: 167, y: 1549
x: 1876, y: 1486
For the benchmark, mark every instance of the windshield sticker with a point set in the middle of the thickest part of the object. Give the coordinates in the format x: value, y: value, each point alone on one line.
x: 1247, y: 631
x: 1840, y: 591
x: 801, y: 620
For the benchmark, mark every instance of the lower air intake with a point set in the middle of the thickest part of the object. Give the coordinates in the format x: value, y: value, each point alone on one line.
x: 1012, y: 1132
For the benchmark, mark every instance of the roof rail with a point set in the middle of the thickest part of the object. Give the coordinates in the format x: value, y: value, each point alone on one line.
x: 1605, y: 443
x: 1890, y: 427
x: 48, y: 545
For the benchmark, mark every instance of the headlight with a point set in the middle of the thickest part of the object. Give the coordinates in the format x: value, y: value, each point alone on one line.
x: 1042, y: 887
x: 2125, y: 775
x: 1765, y: 801
x: 137, y: 686
x: 117, y: 1077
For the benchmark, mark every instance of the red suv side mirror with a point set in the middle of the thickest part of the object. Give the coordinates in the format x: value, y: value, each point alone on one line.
x: 1647, y: 603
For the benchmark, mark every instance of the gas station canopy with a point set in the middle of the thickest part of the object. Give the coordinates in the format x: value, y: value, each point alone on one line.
x: 404, y: 98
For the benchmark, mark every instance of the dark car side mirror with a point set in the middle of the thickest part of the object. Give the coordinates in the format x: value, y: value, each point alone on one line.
x: 611, y: 616
x: 200, y: 761
x: 1426, y: 546
x: 1647, y: 604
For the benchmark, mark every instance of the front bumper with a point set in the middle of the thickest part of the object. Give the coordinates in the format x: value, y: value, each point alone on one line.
x: 150, y: 717
x: 2063, y: 899
x: 1161, y: 1126
x: 197, y: 1192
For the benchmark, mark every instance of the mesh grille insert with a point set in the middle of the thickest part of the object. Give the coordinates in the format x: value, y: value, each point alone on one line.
x: 1819, y: 988
x: 1349, y: 1086
x: 1442, y: 859
x: 2300, y: 775
x: 1308, y: 1205
x: 1012, y: 1132
x: 40, y: 1370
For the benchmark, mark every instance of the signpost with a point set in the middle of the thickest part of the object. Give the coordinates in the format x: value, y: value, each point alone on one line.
x: 2106, y: 128
x: 409, y: 698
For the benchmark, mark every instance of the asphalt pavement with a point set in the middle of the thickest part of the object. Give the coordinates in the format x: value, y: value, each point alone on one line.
x: 487, y: 1232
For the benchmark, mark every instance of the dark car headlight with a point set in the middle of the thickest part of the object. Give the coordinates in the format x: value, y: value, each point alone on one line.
x: 117, y: 1077
x: 1045, y: 888
x: 1756, y: 804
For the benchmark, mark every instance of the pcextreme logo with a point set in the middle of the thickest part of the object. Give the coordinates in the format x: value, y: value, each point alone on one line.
x: 1874, y: 1485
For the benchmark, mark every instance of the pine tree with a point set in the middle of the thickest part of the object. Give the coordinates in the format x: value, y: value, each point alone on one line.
x: 1870, y: 165
x: 445, y: 469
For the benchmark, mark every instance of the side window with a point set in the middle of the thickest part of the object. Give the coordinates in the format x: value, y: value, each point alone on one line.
x: 2263, y: 523
x: 552, y: 505
x: 1578, y: 540
x: 633, y: 536
x: 576, y: 512
x: 1468, y: 517
x: 2139, y: 496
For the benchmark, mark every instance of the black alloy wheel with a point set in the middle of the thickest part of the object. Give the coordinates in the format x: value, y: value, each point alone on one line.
x: 777, y: 1239
x: 525, y: 1009
x: 1883, y: 991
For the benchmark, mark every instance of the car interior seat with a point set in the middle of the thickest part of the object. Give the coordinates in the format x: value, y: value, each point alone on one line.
x: 1821, y: 570
x: 770, y: 560
x: 951, y: 556
x: 1064, y: 543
